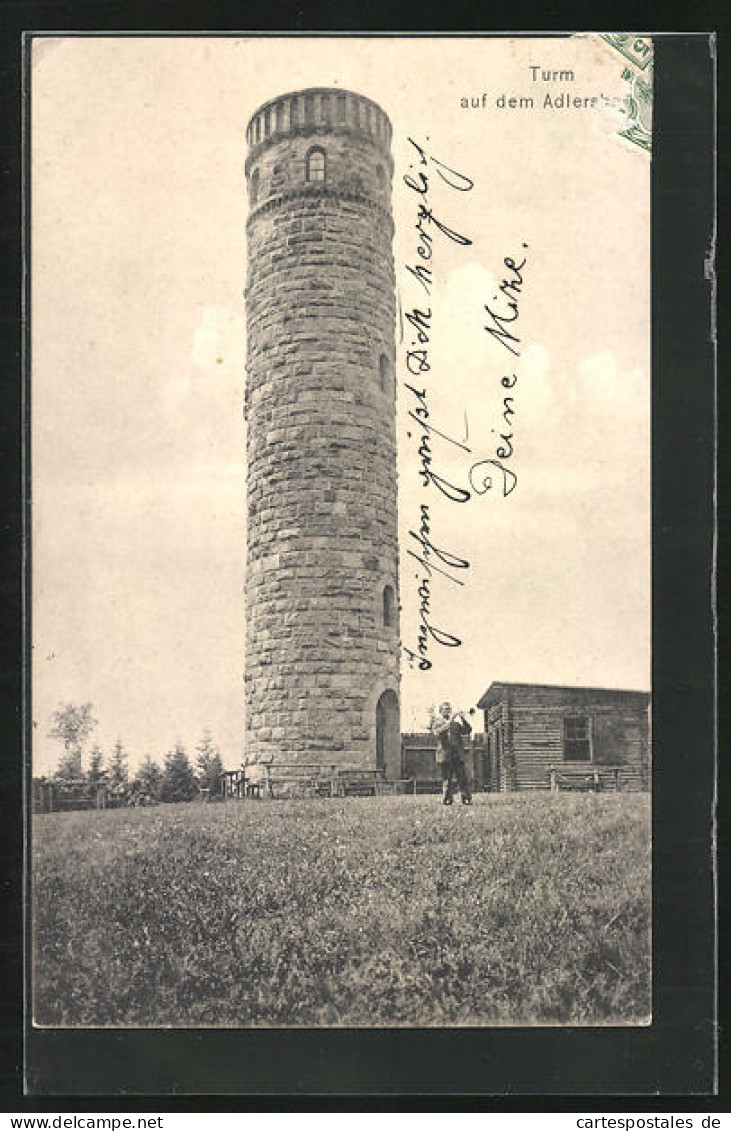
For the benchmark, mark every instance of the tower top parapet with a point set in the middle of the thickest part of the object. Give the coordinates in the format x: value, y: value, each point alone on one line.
x: 319, y: 110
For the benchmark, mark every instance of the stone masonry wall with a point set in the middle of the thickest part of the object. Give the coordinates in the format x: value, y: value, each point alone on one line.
x: 322, y: 540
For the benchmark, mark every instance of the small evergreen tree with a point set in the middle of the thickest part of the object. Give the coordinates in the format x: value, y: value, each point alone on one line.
x: 69, y: 768
x: 118, y: 774
x: 208, y: 763
x: 148, y: 778
x: 96, y: 773
x: 178, y: 780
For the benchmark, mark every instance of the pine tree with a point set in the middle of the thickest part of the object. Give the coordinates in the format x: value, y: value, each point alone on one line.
x: 208, y: 762
x: 178, y: 779
x: 96, y: 772
x: 69, y: 767
x: 118, y: 774
x: 148, y: 778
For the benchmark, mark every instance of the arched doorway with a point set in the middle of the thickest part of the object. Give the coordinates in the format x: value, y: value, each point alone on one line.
x: 388, y: 736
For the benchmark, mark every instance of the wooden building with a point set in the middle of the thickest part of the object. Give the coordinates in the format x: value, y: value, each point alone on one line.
x: 545, y: 737
x: 420, y: 766
x: 51, y: 795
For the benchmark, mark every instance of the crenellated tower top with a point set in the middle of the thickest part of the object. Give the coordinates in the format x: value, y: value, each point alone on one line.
x: 318, y: 143
x: 318, y: 110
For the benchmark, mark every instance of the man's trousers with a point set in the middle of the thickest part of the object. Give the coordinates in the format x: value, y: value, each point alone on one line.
x: 454, y: 776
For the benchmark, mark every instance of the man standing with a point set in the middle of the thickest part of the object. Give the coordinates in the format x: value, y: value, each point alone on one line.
x: 450, y: 730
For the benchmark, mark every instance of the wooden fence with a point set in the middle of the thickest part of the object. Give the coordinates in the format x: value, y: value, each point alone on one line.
x: 301, y: 779
x: 597, y: 779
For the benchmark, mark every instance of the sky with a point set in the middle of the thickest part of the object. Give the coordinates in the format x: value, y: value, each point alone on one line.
x: 139, y: 351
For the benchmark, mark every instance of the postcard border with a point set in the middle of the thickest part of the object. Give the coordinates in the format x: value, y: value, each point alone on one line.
x: 676, y: 1055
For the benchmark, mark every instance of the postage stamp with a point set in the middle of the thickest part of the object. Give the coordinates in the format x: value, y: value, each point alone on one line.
x: 635, y: 48
x: 637, y: 108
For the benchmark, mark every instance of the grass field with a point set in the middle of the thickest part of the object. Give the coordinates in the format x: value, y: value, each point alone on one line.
x: 523, y: 909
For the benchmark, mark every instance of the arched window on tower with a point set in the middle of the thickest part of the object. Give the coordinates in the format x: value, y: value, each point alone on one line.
x: 315, y: 164
x: 254, y: 186
x: 381, y: 177
x: 389, y: 606
x: 384, y: 371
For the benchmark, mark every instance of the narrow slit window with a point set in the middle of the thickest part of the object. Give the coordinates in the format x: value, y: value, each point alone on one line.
x: 254, y: 186
x: 384, y: 372
x: 389, y: 606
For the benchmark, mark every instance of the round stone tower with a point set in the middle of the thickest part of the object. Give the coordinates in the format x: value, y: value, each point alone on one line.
x: 322, y: 607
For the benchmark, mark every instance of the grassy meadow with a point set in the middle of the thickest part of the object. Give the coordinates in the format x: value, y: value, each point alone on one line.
x: 521, y: 909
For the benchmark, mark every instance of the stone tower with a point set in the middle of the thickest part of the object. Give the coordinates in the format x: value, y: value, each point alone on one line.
x: 322, y: 607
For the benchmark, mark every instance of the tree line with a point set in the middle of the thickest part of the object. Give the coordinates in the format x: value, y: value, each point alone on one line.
x: 178, y: 778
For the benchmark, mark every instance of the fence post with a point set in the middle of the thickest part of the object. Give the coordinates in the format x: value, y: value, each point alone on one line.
x: 595, y: 775
x: 554, y: 783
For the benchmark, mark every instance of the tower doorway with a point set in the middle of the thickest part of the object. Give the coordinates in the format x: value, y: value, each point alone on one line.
x: 388, y: 736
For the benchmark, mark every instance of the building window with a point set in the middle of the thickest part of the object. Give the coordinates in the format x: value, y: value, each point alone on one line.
x: 381, y: 177
x: 389, y: 606
x: 384, y: 371
x: 254, y: 186
x: 576, y: 738
x: 315, y: 164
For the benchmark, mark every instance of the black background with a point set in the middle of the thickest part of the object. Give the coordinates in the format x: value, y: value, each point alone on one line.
x: 669, y: 1066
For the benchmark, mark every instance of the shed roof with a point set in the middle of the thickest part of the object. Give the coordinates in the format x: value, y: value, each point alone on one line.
x: 497, y: 690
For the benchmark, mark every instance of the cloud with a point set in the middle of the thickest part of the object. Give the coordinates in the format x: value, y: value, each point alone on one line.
x: 613, y: 390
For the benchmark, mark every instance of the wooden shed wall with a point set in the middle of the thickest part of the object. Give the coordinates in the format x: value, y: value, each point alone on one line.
x: 498, y: 761
x: 419, y: 758
x: 535, y: 734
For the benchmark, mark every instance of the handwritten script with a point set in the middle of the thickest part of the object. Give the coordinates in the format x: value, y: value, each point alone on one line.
x: 501, y: 326
x: 435, y: 562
